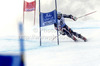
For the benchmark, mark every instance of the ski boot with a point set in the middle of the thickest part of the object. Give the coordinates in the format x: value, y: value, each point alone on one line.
x: 74, y: 39
x: 83, y: 38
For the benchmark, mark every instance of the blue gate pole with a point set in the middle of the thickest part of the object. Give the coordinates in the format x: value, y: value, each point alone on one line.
x: 21, y: 39
x: 57, y: 22
x: 40, y: 21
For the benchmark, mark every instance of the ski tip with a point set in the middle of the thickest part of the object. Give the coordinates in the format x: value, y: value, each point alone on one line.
x: 85, y: 40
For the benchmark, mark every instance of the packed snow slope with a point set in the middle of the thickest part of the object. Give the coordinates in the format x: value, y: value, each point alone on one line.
x: 68, y: 53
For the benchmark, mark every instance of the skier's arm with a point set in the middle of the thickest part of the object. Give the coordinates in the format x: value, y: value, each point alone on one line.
x: 69, y: 16
x: 66, y: 16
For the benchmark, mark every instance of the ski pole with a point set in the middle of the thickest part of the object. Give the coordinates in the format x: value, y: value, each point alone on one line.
x: 86, y: 14
x: 55, y: 37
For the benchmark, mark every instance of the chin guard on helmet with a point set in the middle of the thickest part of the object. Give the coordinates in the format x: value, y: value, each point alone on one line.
x: 59, y: 15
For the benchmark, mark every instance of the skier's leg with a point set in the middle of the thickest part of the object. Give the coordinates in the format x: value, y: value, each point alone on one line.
x: 78, y: 35
x: 69, y: 34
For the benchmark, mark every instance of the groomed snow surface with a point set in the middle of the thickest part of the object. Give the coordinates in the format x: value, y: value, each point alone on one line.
x: 67, y: 53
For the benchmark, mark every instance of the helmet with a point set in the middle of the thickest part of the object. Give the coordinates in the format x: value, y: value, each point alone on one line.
x: 59, y: 15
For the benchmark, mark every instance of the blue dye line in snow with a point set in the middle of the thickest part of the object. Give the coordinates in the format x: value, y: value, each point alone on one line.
x: 77, y: 28
x: 87, y: 28
x: 35, y: 41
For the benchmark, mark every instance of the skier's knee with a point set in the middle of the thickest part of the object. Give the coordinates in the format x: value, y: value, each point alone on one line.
x: 70, y: 31
x: 79, y: 36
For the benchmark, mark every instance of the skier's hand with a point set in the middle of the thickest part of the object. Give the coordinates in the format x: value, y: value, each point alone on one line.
x: 56, y: 28
x: 72, y: 17
x: 61, y: 32
x: 59, y: 28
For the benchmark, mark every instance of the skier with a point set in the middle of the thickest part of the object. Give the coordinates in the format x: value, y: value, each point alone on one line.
x: 64, y: 29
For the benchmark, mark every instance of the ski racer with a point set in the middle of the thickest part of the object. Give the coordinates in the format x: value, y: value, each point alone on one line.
x: 64, y: 29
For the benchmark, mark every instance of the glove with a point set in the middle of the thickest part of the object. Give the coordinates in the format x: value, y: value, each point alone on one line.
x: 56, y: 28
x: 62, y: 33
x: 72, y: 17
x: 59, y: 28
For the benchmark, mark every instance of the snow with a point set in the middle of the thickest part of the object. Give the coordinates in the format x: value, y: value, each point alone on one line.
x: 68, y: 53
